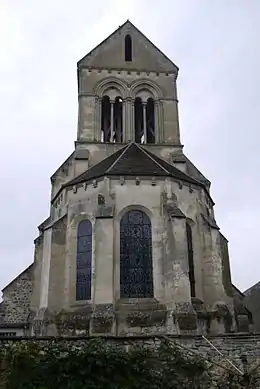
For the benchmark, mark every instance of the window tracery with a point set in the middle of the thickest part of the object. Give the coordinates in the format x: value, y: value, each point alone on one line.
x: 136, y: 268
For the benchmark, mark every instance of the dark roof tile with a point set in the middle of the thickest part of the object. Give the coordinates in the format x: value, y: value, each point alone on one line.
x: 132, y: 160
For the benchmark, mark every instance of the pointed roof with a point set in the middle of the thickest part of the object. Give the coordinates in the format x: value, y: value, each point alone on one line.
x: 150, y: 57
x: 132, y: 160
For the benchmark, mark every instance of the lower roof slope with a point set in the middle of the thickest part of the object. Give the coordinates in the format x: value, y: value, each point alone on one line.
x: 132, y: 160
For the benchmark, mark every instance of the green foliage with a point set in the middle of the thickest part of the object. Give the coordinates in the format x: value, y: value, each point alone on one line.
x: 96, y: 364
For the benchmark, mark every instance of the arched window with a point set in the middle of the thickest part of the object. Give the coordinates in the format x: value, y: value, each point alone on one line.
x: 118, y: 120
x: 112, y: 120
x: 105, y: 119
x: 128, y: 48
x: 150, y: 121
x: 190, y: 259
x: 84, y: 260
x: 144, y: 121
x: 136, y: 268
x: 139, y: 121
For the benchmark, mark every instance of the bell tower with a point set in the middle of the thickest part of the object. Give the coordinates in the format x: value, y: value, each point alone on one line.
x: 127, y: 92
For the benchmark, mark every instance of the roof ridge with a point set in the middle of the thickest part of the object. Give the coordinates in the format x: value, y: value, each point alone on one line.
x: 93, y: 166
x: 148, y: 155
x: 172, y: 166
x: 120, y: 156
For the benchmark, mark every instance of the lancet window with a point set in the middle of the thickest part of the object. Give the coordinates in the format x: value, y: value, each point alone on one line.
x: 84, y: 260
x: 128, y: 48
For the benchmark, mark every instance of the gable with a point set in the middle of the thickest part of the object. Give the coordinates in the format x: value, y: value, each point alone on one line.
x: 24, y: 275
x: 145, y: 55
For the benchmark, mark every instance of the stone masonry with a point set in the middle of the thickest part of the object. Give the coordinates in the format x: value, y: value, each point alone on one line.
x: 131, y: 245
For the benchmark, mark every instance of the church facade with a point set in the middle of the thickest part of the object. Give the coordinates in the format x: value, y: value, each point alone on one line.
x: 131, y: 244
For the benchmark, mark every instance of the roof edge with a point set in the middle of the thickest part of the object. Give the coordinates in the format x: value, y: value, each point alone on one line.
x: 19, y: 275
x: 118, y: 29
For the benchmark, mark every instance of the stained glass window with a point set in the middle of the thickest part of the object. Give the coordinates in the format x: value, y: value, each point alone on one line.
x: 190, y: 259
x: 84, y: 260
x: 136, y: 268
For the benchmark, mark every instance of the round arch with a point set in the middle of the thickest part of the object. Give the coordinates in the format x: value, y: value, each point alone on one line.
x: 148, y: 85
x: 135, y: 207
x: 102, y: 87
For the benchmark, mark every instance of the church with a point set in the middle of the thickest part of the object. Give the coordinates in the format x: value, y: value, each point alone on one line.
x: 131, y: 244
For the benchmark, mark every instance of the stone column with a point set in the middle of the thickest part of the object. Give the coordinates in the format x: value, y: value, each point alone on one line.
x: 112, y: 121
x: 98, y: 108
x: 144, y: 122
x: 183, y: 310
x: 212, y: 269
x: 159, y: 122
x: 156, y: 122
x: 80, y: 114
x: 132, y: 120
x: 124, y: 132
x: 102, y: 320
x: 214, y: 294
x: 38, y: 323
x: 181, y: 284
x: 126, y: 115
x: 45, y: 268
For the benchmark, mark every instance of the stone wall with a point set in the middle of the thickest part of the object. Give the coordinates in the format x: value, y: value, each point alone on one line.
x: 252, y: 301
x: 15, y: 307
x: 235, y: 347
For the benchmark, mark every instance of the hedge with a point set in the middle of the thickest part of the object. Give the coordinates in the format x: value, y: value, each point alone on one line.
x: 97, y: 364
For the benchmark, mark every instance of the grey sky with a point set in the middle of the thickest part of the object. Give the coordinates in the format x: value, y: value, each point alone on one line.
x: 216, y: 46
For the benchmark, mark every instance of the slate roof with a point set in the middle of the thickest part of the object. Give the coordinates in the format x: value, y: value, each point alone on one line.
x: 132, y: 160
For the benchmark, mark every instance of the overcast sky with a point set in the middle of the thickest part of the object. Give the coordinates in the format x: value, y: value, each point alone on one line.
x: 216, y: 45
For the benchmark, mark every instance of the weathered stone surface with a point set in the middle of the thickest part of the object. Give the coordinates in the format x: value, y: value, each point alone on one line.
x: 104, y: 211
x: 15, y: 307
x: 154, y: 178
x: 234, y: 347
x: 252, y: 302
x: 102, y: 319
x: 71, y: 323
x: 142, y: 315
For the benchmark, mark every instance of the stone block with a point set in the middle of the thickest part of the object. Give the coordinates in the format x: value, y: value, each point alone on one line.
x: 102, y: 319
x: 104, y: 211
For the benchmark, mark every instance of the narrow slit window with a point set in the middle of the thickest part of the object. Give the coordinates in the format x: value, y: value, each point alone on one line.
x: 191, y: 260
x: 128, y: 48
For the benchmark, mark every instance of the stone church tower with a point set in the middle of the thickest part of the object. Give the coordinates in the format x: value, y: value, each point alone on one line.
x: 131, y: 244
